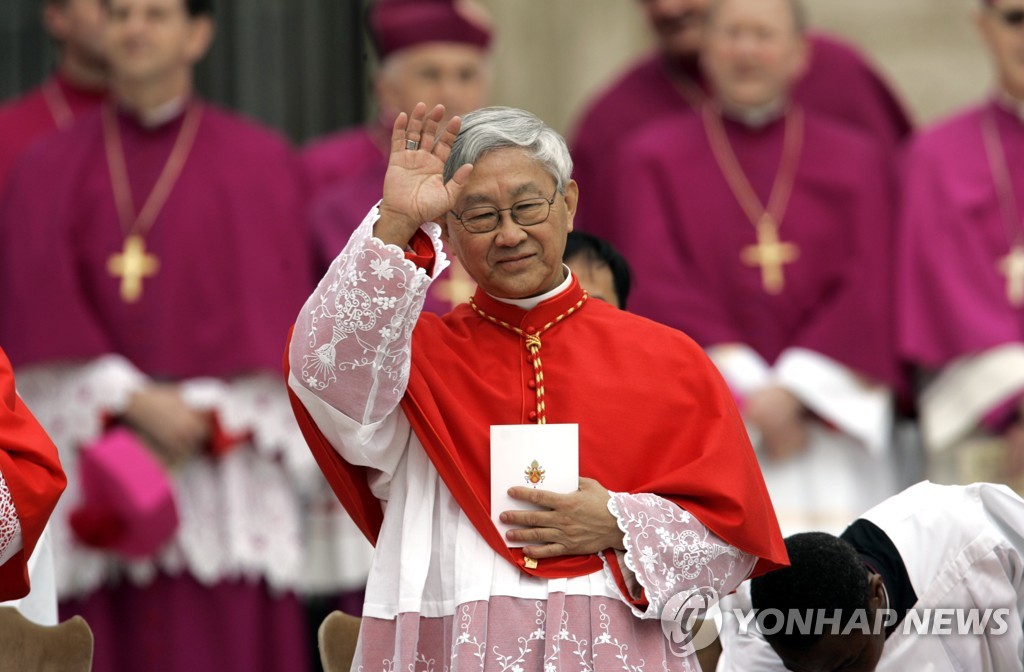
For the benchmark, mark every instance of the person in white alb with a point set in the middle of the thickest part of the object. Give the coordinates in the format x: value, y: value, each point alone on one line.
x: 959, y: 549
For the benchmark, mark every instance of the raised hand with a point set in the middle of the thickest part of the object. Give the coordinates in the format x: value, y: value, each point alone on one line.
x: 414, y: 189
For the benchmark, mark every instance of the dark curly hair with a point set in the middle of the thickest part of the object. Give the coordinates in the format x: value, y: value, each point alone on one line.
x: 826, y: 573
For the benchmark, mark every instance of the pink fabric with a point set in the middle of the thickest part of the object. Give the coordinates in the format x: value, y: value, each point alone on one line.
x: 29, y: 118
x: 176, y: 624
x: 952, y: 295
x: 1007, y: 412
x: 562, y: 633
x: 234, y: 256
x: 677, y: 214
x: 839, y: 84
x: 127, y: 497
x: 356, y: 153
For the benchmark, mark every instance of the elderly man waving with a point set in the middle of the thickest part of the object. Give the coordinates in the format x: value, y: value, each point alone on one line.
x: 410, y: 414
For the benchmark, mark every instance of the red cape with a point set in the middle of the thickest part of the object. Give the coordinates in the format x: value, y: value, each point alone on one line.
x: 654, y: 416
x: 31, y: 468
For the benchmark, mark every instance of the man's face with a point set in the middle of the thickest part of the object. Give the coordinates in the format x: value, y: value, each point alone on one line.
x: 79, y: 26
x: 753, y: 51
x: 678, y: 25
x: 1002, y: 26
x: 596, y: 278
x: 513, y: 261
x: 151, y: 40
x: 450, y: 73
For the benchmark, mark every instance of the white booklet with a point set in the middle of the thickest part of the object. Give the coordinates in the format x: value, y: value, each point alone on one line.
x: 546, y: 457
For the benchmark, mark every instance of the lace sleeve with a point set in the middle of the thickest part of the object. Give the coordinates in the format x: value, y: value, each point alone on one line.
x: 10, y: 526
x: 669, y: 552
x: 351, y: 346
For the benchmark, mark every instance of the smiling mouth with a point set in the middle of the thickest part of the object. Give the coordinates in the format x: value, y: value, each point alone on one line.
x: 514, y: 261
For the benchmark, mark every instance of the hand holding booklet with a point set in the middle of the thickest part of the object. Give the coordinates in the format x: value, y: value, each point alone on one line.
x: 545, y: 457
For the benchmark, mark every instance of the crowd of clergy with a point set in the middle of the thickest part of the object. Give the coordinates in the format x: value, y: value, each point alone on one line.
x: 858, y: 282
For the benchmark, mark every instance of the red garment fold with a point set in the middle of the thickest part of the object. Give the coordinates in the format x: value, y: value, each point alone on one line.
x: 654, y: 416
x: 31, y: 468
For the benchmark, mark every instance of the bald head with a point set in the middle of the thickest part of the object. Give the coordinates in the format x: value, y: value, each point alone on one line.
x: 754, y: 51
x: 794, y: 11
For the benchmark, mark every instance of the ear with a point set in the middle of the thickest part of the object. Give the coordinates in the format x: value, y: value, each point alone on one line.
x: 802, y: 59
x: 200, y: 38
x: 876, y: 591
x: 984, y: 26
x: 56, y: 21
x: 572, y: 198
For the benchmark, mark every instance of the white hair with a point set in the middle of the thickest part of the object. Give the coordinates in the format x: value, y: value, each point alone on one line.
x: 492, y: 128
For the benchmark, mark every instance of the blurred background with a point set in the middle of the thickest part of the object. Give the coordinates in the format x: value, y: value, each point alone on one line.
x: 302, y: 65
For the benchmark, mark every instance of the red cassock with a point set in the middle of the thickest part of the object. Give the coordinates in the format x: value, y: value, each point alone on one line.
x: 31, y: 468
x: 653, y: 414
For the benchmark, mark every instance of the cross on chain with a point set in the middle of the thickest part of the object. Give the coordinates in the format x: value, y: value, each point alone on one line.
x: 770, y: 255
x: 1012, y: 266
x: 133, y: 264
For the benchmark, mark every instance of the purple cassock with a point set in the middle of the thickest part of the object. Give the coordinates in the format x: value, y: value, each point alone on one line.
x: 233, y: 272
x: 356, y: 152
x: 953, y: 297
x: 685, y: 232
x: 347, y: 172
x: 839, y: 84
x: 233, y: 256
x: 50, y: 107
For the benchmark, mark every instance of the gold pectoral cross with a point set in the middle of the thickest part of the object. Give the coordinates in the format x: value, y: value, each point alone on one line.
x: 133, y: 264
x: 770, y: 255
x: 1012, y: 266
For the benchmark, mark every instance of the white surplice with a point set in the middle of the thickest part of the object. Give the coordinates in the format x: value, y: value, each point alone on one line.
x: 848, y: 465
x: 260, y: 512
x: 963, y: 547
x: 438, y: 596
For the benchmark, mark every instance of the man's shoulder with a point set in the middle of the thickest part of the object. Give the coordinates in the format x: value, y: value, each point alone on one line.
x: 841, y: 139
x: 66, y: 147
x: 637, y: 78
x: 28, y: 102
x: 237, y: 131
x: 949, y: 135
x: 339, y: 144
x: 633, y: 95
x: 668, y: 137
x: 837, y: 58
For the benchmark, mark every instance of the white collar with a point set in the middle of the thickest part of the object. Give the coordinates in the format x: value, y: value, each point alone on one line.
x: 532, y: 302
x: 161, y: 114
x: 755, y: 117
x: 1014, y: 106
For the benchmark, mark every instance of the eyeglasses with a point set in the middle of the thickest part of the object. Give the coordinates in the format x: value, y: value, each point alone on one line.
x: 1011, y: 17
x: 485, y: 218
